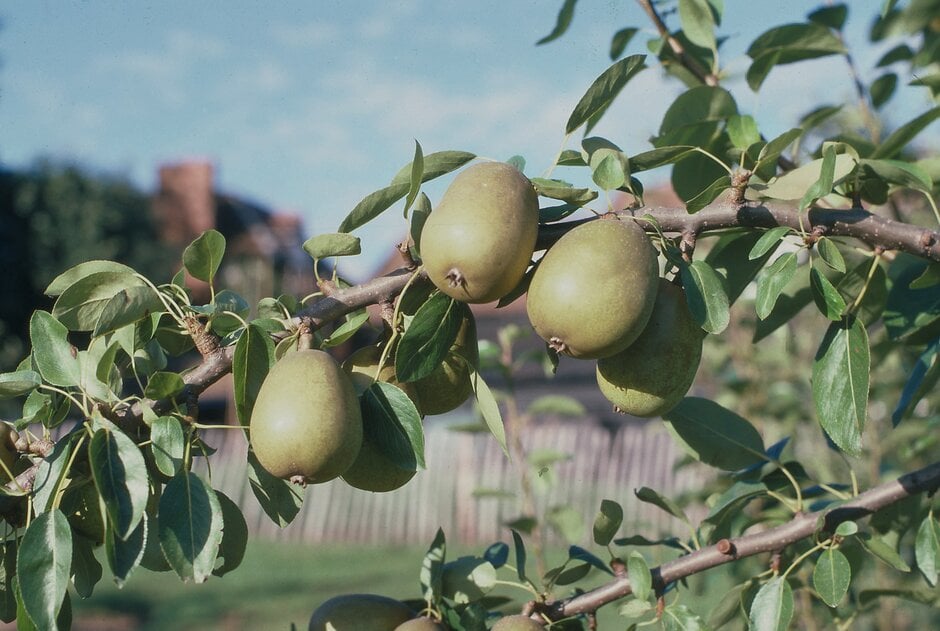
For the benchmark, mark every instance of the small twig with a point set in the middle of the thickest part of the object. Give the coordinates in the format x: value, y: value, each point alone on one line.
x: 687, y: 61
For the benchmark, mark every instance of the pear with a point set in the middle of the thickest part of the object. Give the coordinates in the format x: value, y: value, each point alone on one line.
x: 306, y: 425
x: 652, y: 375
x: 359, y: 612
x: 422, y: 624
x: 517, y: 623
x: 479, y: 240
x: 594, y: 290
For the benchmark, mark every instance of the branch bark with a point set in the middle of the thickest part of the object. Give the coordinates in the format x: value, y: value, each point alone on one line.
x: 802, y: 526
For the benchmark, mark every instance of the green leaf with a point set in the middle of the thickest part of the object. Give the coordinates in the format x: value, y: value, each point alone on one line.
x: 698, y: 22
x: 772, y: 150
x: 708, y: 194
x: 793, y: 185
x: 557, y: 405
x: 772, y: 607
x: 202, y: 257
x: 432, y: 568
x: 832, y: 576
x: 8, y: 581
x: 86, y: 571
x: 168, y: 444
x: 831, y: 16
x: 788, y: 44
x: 742, y: 130
x: 42, y: 567
x: 234, y: 536
x: 604, y: 89
x: 902, y: 136
x: 435, y: 165
x: 822, y: 186
x: 18, y: 383
x: 607, y: 522
x: 51, y: 472
x: 56, y: 359
x: 392, y: 423
x: 568, y: 575
x: 254, y: 355
x: 125, y: 554
x: 190, y: 526
x: 419, y: 215
x: 566, y: 521
x: 767, y: 242
x: 164, y: 385
x: 332, y: 244
x: 705, y: 293
x: 884, y: 551
x: 279, y: 499
x: 556, y: 189
x: 773, y: 281
x: 650, y: 496
x: 127, y: 306
x: 429, y: 337
x: 828, y: 300
x: 74, y: 274
x: 728, y: 256
x: 659, y: 157
x: 900, y: 173
x: 620, y: 41
x: 489, y: 410
x: 610, y: 171
x: 715, y: 435
x: 883, y: 88
x: 927, y: 549
x: 120, y: 474
x: 82, y: 304
x: 467, y: 579
x: 840, y: 383
x: 417, y: 171
x: 373, y: 205
x: 733, y: 499
x: 639, y: 573
x: 681, y: 618
x: 519, y: 547
x: 829, y: 253
x: 697, y: 105
x: 561, y: 24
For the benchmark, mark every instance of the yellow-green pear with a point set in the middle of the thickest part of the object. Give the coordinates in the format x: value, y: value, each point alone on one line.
x: 477, y: 243
x: 422, y: 624
x: 306, y: 425
x: 517, y: 623
x: 652, y: 375
x: 359, y: 612
x: 594, y: 289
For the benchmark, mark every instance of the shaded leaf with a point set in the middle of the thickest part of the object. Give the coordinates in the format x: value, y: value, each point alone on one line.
x: 432, y: 568
x: 429, y: 337
x: 829, y: 253
x: 565, y: 16
x: 927, y: 549
x: 392, y: 423
x: 74, y: 274
x: 650, y: 496
x: 903, y: 135
x: 566, y: 521
x: 373, y: 205
x: 489, y: 410
x: 234, y: 536
x: 840, y: 383
x: 168, y: 444
x: 822, y: 186
x: 770, y: 152
x: 767, y: 241
x: 127, y: 306
x: 254, y: 356
x: 828, y: 300
x: 124, y: 554
x: 18, y: 383
x: 715, y: 435
x: 279, y: 499
x: 620, y: 41
x: 164, y: 385
x: 557, y: 189
x: 467, y: 579
x: 519, y: 547
x: 639, y: 573
x: 698, y: 22
x: 883, y: 88
x: 831, y: 576
x: 190, y: 526
x: 332, y: 244
x: 882, y: 550
x: 86, y: 571
x: 42, y: 567
x: 772, y: 607
x: 607, y: 522
x: 705, y: 293
x: 120, y: 475
x: 773, y: 281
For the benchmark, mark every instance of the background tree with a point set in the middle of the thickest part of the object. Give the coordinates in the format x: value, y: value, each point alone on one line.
x: 817, y: 228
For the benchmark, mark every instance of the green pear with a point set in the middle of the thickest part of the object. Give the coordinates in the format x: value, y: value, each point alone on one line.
x: 359, y: 612
x: 594, y: 289
x: 479, y: 240
x: 422, y: 624
x: 653, y: 374
x: 306, y: 425
x: 517, y: 623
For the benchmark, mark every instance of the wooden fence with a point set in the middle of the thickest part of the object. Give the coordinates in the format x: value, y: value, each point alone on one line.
x: 603, y: 464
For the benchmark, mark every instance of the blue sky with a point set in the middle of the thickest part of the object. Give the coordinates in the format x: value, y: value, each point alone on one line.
x: 309, y: 106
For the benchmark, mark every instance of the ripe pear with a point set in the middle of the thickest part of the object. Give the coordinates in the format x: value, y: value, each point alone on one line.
x: 306, y: 425
x: 594, y: 290
x: 361, y: 367
x: 359, y: 612
x: 517, y: 623
x: 478, y: 241
x: 653, y: 374
x: 422, y: 624
x: 449, y: 386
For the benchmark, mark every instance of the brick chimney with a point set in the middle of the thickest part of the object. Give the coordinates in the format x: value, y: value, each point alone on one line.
x: 184, y: 205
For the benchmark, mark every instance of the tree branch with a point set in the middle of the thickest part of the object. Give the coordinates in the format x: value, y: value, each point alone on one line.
x: 857, y: 223
x: 802, y: 526
x: 689, y: 63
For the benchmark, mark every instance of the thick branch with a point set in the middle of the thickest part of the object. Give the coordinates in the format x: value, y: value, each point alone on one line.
x: 874, y: 230
x: 801, y: 527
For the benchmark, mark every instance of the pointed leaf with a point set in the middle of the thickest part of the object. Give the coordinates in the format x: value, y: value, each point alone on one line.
x: 607, y: 522
x: 604, y: 89
x: 435, y: 165
x: 822, y: 186
x: 190, y: 526
x: 432, y: 568
x: 772, y: 607
x: 650, y: 496
x: 698, y: 22
x: 715, y: 435
x: 120, y: 474
x: 373, y: 205
x: 705, y: 293
x: 392, y: 423
x: 562, y: 23
x: 467, y: 579
x: 902, y: 136
x: 773, y: 281
x: 234, y: 536
x: 772, y: 150
x: 254, y: 355
x: 417, y: 171
x: 828, y: 300
x: 279, y: 499
x: 125, y: 554
x: 519, y: 547
x: 620, y: 41
x: 767, y: 241
x: 127, y: 306
x: 42, y: 567
x: 18, y: 383
x: 829, y: 252
x: 168, y: 444
x: 74, y: 274
x: 638, y: 572
x: 840, y: 383
x: 489, y: 410
x: 429, y: 337
x: 927, y: 549
x: 86, y: 571
x: 202, y: 257
x: 164, y: 385
x: 56, y: 359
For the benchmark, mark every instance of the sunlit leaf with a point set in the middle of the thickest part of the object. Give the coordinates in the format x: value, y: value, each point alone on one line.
x: 190, y: 526
x: 772, y: 607
x: 715, y: 435
x: 42, y: 567
x: 202, y: 257
x: 840, y: 383
x: 831, y: 576
x: 332, y: 244
x: 604, y: 89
